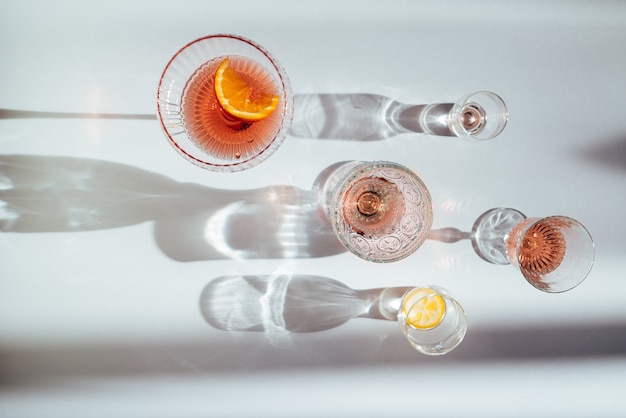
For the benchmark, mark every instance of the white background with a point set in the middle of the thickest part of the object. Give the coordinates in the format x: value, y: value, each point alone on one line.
x: 103, y: 323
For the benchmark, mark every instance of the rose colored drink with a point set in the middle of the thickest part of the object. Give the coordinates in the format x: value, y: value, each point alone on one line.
x: 212, y: 128
x: 373, y: 207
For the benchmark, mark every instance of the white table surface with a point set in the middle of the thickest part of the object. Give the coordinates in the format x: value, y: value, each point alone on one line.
x: 104, y: 322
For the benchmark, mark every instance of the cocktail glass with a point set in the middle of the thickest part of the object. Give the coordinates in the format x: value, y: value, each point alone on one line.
x: 196, y: 124
x: 554, y: 254
x: 380, y: 211
x: 432, y: 321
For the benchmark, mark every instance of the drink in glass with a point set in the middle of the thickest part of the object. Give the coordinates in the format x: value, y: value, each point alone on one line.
x: 224, y: 103
x: 380, y: 211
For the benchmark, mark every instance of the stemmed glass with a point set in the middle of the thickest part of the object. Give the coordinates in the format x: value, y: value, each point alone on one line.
x: 476, y: 117
x: 193, y: 119
x: 554, y: 253
x: 380, y: 211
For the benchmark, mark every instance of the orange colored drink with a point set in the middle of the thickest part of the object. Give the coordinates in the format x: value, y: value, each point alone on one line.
x: 216, y: 131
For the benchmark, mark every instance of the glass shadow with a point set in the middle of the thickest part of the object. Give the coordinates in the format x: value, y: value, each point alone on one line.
x: 191, y: 222
x: 35, y: 114
x: 281, y: 304
x: 348, y: 117
x: 365, y: 117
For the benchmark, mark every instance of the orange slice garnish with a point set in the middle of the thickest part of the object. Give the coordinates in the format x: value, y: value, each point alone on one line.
x: 241, y: 97
x: 423, y: 308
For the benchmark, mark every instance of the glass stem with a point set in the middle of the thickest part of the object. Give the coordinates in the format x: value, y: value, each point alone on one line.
x: 449, y: 235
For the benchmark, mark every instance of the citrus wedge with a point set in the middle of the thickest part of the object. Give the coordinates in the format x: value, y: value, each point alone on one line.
x: 423, y: 308
x: 241, y: 97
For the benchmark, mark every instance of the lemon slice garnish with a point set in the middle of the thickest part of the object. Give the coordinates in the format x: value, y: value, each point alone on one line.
x: 423, y: 308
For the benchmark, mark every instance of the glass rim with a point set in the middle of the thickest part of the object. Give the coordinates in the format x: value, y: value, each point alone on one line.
x: 361, y: 170
x: 196, y: 157
x: 495, y: 122
x: 533, y: 281
x: 450, y: 340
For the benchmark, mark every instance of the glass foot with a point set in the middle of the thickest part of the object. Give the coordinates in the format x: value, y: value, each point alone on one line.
x: 479, y: 117
x: 489, y: 233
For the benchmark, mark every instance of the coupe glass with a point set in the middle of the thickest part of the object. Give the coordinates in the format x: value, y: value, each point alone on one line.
x: 380, y: 211
x: 442, y: 338
x: 554, y: 254
x: 194, y: 122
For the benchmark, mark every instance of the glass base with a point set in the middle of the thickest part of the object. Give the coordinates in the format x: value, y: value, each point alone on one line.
x: 490, y: 231
x: 478, y: 117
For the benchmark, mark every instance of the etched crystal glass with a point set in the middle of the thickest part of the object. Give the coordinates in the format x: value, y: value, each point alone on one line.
x: 380, y: 211
x: 195, y: 123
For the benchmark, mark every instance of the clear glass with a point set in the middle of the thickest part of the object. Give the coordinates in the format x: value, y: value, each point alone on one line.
x: 489, y: 231
x: 380, y: 211
x: 193, y: 121
x: 442, y: 338
x: 479, y: 117
x: 554, y: 254
x: 369, y: 117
